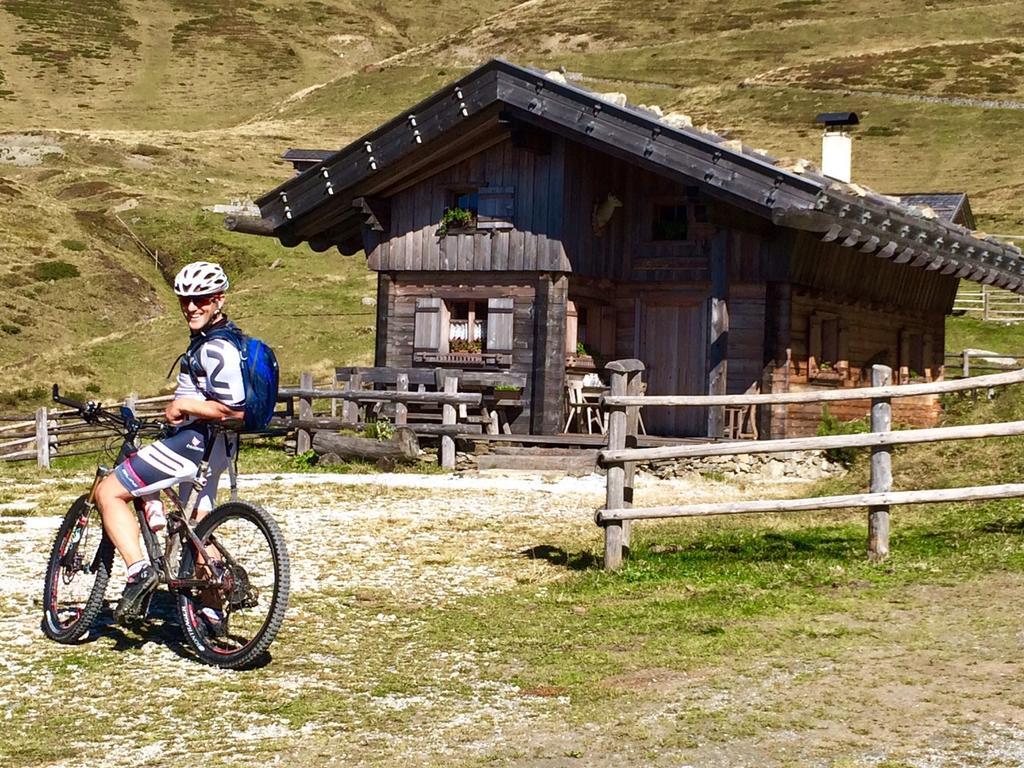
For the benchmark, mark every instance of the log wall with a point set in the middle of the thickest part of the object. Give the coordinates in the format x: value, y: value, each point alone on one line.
x: 872, y: 338
x: 777, y: 281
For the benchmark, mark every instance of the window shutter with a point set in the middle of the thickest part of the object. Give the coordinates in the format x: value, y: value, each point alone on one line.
x: 499, y: 325
x: 427, y: 329
x: 814, y: 341
x: 495, y: 208
x: 571, y: 327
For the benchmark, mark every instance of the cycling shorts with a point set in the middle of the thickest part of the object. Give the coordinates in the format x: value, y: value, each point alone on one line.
x: 175, y: 461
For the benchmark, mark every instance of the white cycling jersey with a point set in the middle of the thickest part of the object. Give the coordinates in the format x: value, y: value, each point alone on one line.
x: 218, y: 376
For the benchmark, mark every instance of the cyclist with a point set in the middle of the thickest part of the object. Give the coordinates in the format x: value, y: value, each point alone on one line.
x: 211, y: 389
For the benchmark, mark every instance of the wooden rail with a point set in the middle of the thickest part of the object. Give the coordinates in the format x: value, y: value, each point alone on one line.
x: 353, y: 397
x: 1007, y: 491
x: 986, y: 361
x: 61, y: 432
x: 990, y: 303
x: 821, y: 396
x: 618, y: 513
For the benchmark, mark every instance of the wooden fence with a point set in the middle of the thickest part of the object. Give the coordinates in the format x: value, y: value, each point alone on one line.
x: 356, y: 401
x: 977, y: 362
x: 53, y: 432
x: 989, y: 303
x: 624, y: 402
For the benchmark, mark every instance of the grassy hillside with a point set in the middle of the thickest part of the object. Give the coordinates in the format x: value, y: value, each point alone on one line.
x: 148, y: 111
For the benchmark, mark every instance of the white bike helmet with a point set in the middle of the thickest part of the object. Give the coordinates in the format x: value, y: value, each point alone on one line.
x: 200, y: 278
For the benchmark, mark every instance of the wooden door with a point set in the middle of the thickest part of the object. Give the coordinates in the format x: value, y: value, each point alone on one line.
x: 672, y: 344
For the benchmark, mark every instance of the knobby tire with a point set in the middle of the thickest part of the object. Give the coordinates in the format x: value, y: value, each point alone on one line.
x: 209, y: 649
x: 62, y: 621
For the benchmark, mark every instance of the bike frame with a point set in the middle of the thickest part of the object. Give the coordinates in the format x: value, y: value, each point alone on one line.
x: 181, y: 518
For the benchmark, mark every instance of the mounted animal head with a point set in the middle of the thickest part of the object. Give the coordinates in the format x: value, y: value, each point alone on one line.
x: 603, y: 213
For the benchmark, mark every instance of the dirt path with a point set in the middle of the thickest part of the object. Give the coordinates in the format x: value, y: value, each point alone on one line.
x: 933, y: 678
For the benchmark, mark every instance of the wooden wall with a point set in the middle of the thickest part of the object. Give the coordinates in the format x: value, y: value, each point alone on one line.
x: 878, y: 306
x: 652, y: 297
x: 535, y: 243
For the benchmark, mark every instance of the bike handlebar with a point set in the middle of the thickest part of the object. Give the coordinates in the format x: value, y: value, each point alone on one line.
x: 93, y: 412
x: 58, y: 398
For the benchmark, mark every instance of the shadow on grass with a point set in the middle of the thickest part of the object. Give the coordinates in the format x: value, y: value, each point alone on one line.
x: 762, y: 546
x: 574, y: 561
x: 160, y: 626
x: 1004, y: 526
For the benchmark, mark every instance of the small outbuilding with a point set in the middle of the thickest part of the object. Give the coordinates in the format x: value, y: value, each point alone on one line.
x: 530, y: 231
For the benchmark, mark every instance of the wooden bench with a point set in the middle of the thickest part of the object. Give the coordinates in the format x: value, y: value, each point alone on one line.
x: 428, y: 380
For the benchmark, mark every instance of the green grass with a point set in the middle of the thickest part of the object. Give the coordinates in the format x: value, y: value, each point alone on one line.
x: 56, y: 33
x: 973, y: 333
x: 692, y: 594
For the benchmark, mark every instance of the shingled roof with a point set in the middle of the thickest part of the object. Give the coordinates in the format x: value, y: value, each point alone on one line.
x: 950, y: 206
x: 324, y: 205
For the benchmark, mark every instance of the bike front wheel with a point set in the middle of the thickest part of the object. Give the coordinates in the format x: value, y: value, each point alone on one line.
x: 248, y: 586
x: 77, y: 573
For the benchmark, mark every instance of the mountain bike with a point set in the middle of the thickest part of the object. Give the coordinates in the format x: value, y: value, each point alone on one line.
x: 233, y: 558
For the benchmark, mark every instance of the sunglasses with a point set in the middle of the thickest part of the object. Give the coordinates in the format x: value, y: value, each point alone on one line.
x: 199, y: 301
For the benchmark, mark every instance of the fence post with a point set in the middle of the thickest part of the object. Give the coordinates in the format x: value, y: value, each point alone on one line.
x: 984, y: 302
x: 303, y: 437
x: 350, y: 408
x: 966, y: 363
x: 634, y: 388
x: 451, y: 386
x: 131, y: 402
x: 42, y: 439
x: 881, y: 468
x: 619, y: 490
x: 401, y: 409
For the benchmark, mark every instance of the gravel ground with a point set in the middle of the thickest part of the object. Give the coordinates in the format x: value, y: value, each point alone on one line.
x: 931, y: 680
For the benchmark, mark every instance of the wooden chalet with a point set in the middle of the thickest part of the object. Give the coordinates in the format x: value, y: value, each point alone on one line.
x: 597, y: 232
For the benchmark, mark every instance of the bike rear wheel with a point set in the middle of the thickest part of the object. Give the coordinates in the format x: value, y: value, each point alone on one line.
x: 250, y: 561
x: 77, y: 573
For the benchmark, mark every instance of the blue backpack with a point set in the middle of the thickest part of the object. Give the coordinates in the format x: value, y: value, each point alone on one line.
x: 259, y: 372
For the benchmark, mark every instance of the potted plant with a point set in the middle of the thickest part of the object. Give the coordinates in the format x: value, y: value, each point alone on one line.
x: 582, y: 357
x: 826, y: 372
x: 461, y: 345
x: 455, y: 220
x: 508, y: 391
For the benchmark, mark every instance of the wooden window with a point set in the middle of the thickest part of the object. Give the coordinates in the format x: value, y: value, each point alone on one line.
x: 496, y: 208
x: 499, y: 325
x: 582, y: 321
x: 490, y: 207
x: 463, y: 332
x: 589, y: 329
x: 467, y: 200
x: 829, y: 341
x: 670, y: 221
x: 827, y: 356
x: 912, y: 356
x: 467, y: 321
x: 431, y: 316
